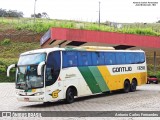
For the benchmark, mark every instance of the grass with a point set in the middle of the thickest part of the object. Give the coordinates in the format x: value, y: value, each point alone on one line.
x: 10, y: 52
x: 42, y: 25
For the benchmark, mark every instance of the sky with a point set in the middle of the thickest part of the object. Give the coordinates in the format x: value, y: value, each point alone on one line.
x: 121, y: 11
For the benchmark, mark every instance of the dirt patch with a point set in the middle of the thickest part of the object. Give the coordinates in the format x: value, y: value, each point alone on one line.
x: 22, y: 35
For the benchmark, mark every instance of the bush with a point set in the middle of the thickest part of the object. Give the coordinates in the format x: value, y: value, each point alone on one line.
x: 6, y: 42
x: 150, y: 73
x: 158, y: 75
x: 4, y: 78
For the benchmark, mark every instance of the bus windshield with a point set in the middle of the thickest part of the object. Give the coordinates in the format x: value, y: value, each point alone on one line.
x: 31, y: 59
x: 27, y: 77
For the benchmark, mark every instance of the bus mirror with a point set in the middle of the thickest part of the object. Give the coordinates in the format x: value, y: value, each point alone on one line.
x: 9, y: 68
x: 39, y: 69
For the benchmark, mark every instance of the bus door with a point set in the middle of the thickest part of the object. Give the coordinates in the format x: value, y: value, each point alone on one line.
x: 53, y: 84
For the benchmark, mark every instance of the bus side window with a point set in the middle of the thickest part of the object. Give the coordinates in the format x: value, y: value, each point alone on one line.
x: 142, y: 58
x: 129, y: 58
x: 110, y: 58
x: 98, y: 58
x: 69, y: 59
x: 84, y: 58
x: 89, y: 58
x: 120, y: 58
x: 136, y: 58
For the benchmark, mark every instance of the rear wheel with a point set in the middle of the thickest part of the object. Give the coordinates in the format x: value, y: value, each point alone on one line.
x: 126, y: 88
x: 70, y: 95
x: 133, y: 86
x: 156, y: 82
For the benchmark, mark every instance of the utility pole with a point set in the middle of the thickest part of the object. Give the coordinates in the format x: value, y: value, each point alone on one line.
x: 99, y: 13
x: 35, y: 11
x: 155, y: 63
x: 35, y: 18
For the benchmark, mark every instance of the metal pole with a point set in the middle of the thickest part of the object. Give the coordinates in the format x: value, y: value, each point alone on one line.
x: 154, y: 62
x: 99, y: 13
x: 35, y: 10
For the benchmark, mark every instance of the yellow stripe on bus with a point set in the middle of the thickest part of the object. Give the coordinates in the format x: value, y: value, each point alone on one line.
x: 33, y: 90
x: 115, y: 82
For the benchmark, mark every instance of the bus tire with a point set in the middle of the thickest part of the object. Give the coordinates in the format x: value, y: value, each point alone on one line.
x: 70, y: 95
x: 133, y: 86
x: 126, y: 88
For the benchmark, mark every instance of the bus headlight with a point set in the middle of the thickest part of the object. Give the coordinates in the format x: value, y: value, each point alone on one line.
x: 39, y: 93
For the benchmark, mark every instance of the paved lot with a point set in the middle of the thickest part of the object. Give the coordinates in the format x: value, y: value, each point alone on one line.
x: 146, y: 98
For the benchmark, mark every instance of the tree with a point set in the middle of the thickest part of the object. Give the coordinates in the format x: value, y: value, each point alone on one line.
x: 10, y: 13
x: 45, y: 15
x: 40, y: 15
x: 158, y: 21
x: 2, y: 12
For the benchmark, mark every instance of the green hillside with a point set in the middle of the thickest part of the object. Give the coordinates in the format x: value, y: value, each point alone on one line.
x: 9, y: 53
x: 20, y: 35
x: 42, y: 25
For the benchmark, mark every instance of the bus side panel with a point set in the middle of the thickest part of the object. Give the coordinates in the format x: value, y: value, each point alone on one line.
x: 54, y: 92
x: 90, y: 79
x: 72, y: 77
x: 98, y: 77
x: 107, y: 77
x: 115, y: 80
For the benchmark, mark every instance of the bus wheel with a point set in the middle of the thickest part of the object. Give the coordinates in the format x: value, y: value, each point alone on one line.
x: 133, y: 86
x: 126, y: 88
x: 70, y: 95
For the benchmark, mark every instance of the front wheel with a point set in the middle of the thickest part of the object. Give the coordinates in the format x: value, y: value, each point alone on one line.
x: 70, y: 95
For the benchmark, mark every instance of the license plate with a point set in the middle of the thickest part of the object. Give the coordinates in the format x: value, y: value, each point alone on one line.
x: 26, y: 99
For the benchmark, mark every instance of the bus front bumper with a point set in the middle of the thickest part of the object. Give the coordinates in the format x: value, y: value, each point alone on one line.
x: 39, y: 98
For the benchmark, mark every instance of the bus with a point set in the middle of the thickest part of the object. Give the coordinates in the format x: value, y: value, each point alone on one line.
x: 54, y: 74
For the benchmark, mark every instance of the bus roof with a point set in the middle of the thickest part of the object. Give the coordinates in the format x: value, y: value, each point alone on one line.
x: 48, y: 50
x: 44, y: 50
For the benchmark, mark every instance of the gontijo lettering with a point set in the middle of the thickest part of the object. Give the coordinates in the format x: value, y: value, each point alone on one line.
x: 121, y: 69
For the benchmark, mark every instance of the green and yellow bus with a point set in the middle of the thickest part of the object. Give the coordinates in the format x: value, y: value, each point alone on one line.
x: 53, y: 74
